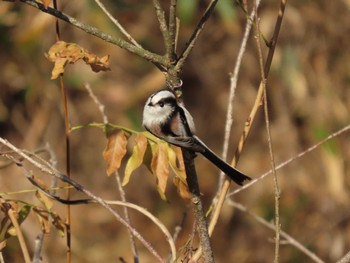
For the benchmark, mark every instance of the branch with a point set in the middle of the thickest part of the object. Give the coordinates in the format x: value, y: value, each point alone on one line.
x: 172, y: 32
x: 246, y: 131
x: 152, y: 57
x: 163, y: 25
x: 117, y: 24
x: 202, y: 227
x: 286, y: 236
x: 195, y: 34
x: 283, y: 164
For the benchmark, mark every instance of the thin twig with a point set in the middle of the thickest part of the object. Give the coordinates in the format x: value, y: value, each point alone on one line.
x: 127, y: 218
x: 172, y: 32
x: 288, y: 161
x: 117, y: 24
x: 100, y: 106
x: 38, y: 247
x: 162, y: 25
x: 67, y: 139
x: 233, y: 86
x: 292, y: 241
x: 22, y: 243
x: 269, y: 139
x: 245, y: 133
x: 345, y: 258
x: 39, y: 241
x: 152, y: 57
x: 191, y: 42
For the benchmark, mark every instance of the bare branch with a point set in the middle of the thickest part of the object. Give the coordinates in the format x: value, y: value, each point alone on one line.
x: 163, y: 25
x: 172, y: 32
x: 269, y: 139
x: 345, y: 258
x: 281, y: 165
x: 152, y: 57
x: 197, y: 207
x: 190, y: 44
x: 286, y: 236
x: 117, y: 24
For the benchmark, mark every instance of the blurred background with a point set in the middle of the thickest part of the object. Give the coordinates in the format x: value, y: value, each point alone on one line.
x: 308, y: 96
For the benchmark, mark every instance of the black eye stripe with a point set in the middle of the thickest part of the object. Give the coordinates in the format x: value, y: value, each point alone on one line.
x: 169, y: 101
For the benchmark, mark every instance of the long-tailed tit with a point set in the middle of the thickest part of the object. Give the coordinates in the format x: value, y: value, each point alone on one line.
x: 168, y: 119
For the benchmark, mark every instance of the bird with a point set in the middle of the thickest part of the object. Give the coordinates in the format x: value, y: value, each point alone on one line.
x: 167, y: 118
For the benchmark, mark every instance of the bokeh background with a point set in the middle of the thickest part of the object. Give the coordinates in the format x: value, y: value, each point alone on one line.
x: 308, y: 96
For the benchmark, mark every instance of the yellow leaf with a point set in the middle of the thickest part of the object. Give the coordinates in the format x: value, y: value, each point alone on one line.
x: 115, y: 151
x: 62, y: 53
x: 45, y: 200
x: 176, y: 162
x: 178, y: 166
x: 160, y: 167
x: 136, y: 158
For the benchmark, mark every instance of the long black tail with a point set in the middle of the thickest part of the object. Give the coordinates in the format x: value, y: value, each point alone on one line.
x: 234, y: 174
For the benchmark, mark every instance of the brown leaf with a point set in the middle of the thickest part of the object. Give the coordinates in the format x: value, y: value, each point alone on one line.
x: 58, y: 223
x: 182, y: 188
x: 176, y: 162
x: 178, y: 166
x: 160, y: 167
x: 43, y: 217
x: 46, y: 3
x: 97, y: 64
x: 115, y: 151
x: 62, y: 53
x: 136, y: 158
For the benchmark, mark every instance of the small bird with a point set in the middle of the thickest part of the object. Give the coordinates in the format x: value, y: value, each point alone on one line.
x: 169, y: 120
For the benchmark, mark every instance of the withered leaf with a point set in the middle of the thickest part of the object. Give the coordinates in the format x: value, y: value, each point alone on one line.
x: 44, y: 199
x: 176, y: 162
x: 115, y: 151
x: 178, y: 166
x: 58, y: 223
x: 160, y: 167
x: 62, y: 53
x: 136, y: 158
x: 46, y: 3
x: 43, y: 217
x: 182, y: 188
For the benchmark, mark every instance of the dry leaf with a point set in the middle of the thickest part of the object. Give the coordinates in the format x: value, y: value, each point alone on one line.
x: 43, y: 217
x: 46, y: 3
x: 44, y: 199
x: 136, y: 158
x: 115, y: 151
x: 58, y: 223
x: 182, y: 188
x: 160, y: 167
x: 178, y: 166
x: 176, y: 162
x: 62, y: 53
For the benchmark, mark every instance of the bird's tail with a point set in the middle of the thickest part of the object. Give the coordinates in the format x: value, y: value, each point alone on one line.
x: 234, y: 174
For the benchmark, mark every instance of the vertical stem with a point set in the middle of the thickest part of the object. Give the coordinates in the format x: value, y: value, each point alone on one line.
x: 202, y: 227
x: 172, y: 32
x: 67, y: 135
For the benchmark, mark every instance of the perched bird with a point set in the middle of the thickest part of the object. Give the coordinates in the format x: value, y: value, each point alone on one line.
x: 168, y: 119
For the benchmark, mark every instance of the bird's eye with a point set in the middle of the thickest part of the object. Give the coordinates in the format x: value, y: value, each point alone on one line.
x: 161, y: 104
